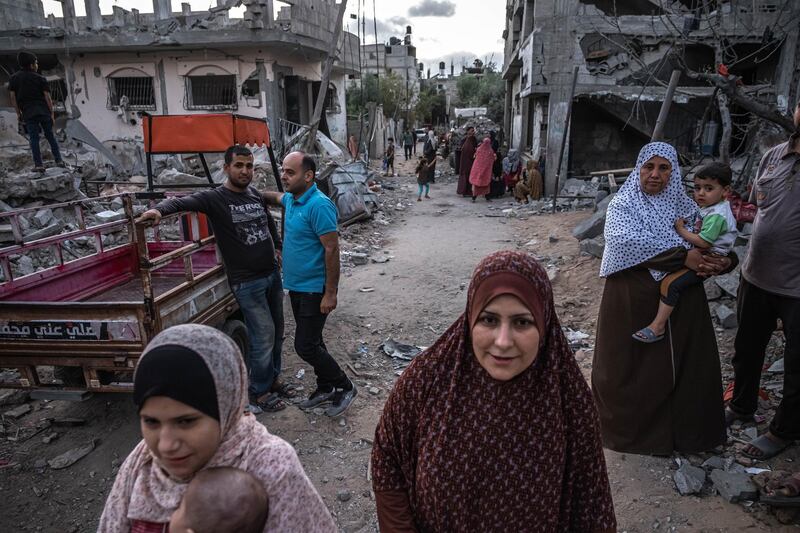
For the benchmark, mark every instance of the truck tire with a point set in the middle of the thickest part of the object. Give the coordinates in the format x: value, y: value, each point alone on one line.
x: 71, y: 376
x: 236, y: 330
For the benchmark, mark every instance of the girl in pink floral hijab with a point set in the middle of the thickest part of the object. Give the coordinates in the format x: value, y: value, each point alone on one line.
x: 191, y: 389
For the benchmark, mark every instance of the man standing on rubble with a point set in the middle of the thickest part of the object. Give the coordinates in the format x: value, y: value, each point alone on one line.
x: 30, y: 96
x: 311, y: 273
x: 770, y: 290
x: 250, y: 245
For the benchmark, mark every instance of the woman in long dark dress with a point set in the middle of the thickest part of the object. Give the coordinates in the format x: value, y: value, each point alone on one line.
x: 467, y: 158
x: 493, y: 428
x: 666, y: 396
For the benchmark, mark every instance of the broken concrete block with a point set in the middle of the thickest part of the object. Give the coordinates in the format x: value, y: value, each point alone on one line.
x: 13, y: 396
x: 359, y: 259
x: 25, y: 266
x: 42, y: 218
x: 6, y: 233
x: 104, y: 217
x: 600, y: 197
x: 689, y: 479
x: 594, y: 246
x: 53, y: 229
x: 71, y: 457
x: 734, y: 486
x: 591, y: 227
x: 170, y: 176
x: 18, y: 412
x: 713, y: 291
x: 715, y: 462
x: 729, y: 282
x: 726, y: 317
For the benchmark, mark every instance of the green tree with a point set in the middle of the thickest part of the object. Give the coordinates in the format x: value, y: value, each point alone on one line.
x: 488, y: 90
x: 431, y: 106
x: 392, y: 95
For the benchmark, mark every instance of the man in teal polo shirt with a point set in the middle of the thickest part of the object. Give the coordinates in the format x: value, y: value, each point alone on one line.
x: 311, y: 274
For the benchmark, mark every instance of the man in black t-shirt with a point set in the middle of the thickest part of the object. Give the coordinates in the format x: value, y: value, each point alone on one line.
x: 250, y: 245
x: 30, y: 96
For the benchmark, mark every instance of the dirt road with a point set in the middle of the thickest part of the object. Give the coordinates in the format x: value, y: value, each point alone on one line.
x: 432, y: 247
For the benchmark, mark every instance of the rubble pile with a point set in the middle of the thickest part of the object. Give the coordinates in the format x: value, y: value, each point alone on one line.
x: 482, y: 125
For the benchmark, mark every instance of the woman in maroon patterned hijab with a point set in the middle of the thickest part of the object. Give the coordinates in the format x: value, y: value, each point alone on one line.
x: 493, y: 428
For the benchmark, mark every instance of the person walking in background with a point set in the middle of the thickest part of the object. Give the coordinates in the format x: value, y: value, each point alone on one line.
x: 352, y: 147
x: 389, y: 157
x: 429, y: 153
x: 30, y: 97
x: 480, y: 176
x: 423, y: 171
x: 468, y: 148
x: 250, y: 245
x: 408, y: 143
x: 512, y: 168
x: 311, y: 273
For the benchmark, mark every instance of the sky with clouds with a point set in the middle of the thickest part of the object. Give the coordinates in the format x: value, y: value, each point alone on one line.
x: 442, y: 29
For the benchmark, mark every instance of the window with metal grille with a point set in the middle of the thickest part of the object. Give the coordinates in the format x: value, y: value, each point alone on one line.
x: 58, y: 90
x: 211, y: 92
x: 135, y: 92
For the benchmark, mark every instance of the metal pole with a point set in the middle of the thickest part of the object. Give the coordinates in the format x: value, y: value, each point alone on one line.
x: 326, y: 76
x: 658, y: 131
x: 564, y: 137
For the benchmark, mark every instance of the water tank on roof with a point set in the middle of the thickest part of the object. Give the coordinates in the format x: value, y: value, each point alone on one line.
x: 408, y: 30
x: 394, y: 41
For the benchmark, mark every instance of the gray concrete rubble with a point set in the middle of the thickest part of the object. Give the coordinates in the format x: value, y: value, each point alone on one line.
x: 689, y: 479
x: 734, y: 487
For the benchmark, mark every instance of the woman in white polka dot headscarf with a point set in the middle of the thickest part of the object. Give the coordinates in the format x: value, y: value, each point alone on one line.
x: 663, y: 397
x: 641, y: 217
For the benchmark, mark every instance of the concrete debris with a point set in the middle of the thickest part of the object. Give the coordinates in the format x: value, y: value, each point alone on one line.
x: 579, y: 187
x: 401, y: 352
x: 734, y: 486
x: 359, y: 258
x: 18, y: 412
x: 13, y: 396
x: 726, y: 317
x: 53, y: 229
x: 69, y: 458
x: 713, y: 291
x: 591, y: 227
x: 344, y: 495
x: 689, y: 479
x: 729, y: 282
x: 594, y: 247
x: 104, y: 217
x: 170, y: 176
x: 47, y: 439
x: 777, y: 367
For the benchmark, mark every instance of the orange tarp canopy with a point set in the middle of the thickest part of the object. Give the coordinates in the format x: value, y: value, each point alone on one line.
x: 180, y: 134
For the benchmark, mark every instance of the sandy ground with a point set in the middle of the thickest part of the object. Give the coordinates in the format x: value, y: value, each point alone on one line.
x: 432, y: 247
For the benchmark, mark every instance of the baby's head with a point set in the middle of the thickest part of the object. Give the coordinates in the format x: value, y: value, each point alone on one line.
x: 221, y: 500
x: 711, y: 183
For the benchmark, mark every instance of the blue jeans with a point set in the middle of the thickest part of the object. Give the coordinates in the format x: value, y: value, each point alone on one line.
x: 33, y: 125
x: 261, y: 302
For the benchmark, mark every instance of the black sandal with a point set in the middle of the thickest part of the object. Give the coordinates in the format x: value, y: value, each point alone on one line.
x: 272, y: 404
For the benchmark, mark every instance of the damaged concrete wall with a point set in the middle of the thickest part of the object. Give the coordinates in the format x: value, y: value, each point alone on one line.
x: 623, y: 54
x: 16, y: 14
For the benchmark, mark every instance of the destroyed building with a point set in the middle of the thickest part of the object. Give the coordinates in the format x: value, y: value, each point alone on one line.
x: 397, y: 57
x: 107, y: 70
x: 729, y: 53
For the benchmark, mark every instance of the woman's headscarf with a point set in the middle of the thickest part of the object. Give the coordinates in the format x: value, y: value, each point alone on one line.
x: 511, y: 161
x: 476, y: 454
x: 481, y: 173
x: 432, y: 138
x: 144, y: 491
x: 640, y: 226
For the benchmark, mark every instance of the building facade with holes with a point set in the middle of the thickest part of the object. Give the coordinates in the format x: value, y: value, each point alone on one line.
x: 119, y: 67
x: 624, y: 52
